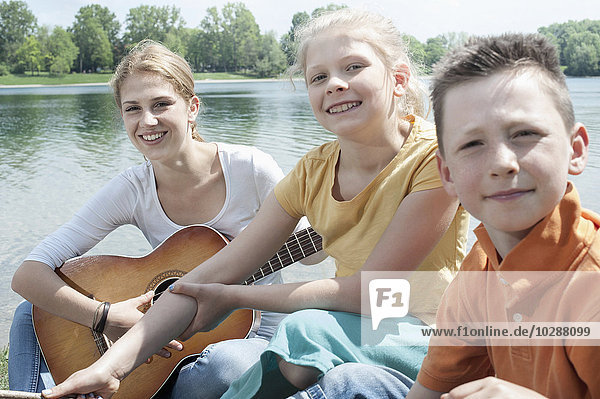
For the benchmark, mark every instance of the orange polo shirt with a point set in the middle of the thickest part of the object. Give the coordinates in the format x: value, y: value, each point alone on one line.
x: 566, y: 240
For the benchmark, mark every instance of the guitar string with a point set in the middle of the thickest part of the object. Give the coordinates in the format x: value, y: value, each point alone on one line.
x: 306, y: 238
x: 297, y: 241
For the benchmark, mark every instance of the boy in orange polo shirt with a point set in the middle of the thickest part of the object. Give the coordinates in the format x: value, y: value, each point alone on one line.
x: 507, y: 143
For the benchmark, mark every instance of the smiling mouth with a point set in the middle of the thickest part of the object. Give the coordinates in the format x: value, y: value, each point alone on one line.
x: 152, y: 137
x: 343, y: 107
x: 508, y: 195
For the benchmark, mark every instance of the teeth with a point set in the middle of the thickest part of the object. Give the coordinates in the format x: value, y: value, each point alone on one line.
x: 343, y: 107
x: 153, y: 137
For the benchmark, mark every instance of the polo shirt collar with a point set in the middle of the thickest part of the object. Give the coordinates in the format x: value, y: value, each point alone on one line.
x: 552, y: 245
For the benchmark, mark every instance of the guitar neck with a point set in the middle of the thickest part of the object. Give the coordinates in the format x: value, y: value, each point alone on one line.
x: 300, y: 245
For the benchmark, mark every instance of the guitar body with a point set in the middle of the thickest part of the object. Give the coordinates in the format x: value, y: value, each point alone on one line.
x: 68, y: 347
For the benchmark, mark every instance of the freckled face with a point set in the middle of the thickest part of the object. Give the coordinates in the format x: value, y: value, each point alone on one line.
x: 507, y: 151
x: 349, y: 88
x: 156, y: 117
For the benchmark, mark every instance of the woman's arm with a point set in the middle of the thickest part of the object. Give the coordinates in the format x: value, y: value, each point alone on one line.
x: 171, y: 315
x: 40, y: 285
x: 36, y: 281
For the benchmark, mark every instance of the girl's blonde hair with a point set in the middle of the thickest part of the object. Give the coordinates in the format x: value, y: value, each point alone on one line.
x: 374, y: 29
x: 153, y: 57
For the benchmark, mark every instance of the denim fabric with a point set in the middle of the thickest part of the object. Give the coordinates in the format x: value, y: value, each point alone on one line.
x: 27, y: 370
x: 216, y: 368
x: 326, y: 339
x: 358, y: 381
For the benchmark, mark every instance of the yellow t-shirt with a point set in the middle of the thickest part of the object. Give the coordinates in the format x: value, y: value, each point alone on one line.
x: 351, y: 229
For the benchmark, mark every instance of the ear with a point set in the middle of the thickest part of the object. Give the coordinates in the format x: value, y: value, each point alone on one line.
x: 579, y: 147
x: 401, y: 78
x: 445, y: 175
x: 194, y: 108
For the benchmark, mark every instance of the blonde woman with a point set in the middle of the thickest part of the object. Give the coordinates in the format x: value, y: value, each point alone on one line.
x: 184, y: 181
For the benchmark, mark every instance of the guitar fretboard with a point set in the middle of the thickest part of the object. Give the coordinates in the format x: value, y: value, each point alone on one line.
x: 300, y: 245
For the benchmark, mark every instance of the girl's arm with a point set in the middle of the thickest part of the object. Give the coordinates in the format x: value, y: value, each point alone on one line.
x: 419, y: 223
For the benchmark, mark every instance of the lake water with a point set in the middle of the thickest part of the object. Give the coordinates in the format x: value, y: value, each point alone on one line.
x: 59, y: 145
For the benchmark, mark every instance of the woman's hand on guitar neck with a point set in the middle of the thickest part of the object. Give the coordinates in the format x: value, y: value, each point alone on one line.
x: 123, y: 315
x: 213, y: 305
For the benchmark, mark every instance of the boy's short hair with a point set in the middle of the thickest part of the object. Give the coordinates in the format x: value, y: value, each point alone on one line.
x: 512, y: 52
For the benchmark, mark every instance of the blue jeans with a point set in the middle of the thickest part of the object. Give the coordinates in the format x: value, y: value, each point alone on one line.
x: 27, y: 370
x: 358, y: 381
x: 210, y: 375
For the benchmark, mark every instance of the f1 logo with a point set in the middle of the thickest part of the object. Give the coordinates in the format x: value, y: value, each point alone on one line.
x: 388, y: 298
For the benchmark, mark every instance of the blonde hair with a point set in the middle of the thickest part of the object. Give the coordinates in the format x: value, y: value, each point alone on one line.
x: 377, y: 31
x: 153, y: 57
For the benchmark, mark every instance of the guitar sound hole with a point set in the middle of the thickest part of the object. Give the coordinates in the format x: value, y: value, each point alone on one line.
x: 160, y: 288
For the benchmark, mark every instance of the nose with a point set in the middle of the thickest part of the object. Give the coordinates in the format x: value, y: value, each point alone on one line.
x: 503, y: 161
x: 336, y: 84
x: 148, y: 118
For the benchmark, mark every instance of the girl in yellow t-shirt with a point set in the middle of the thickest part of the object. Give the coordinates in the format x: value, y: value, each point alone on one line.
x: 375, y: 197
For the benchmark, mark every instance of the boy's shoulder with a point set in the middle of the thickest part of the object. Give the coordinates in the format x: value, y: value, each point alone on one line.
x: 594, y: 247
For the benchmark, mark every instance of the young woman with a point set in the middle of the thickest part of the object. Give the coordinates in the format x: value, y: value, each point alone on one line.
x: 185, y: 181
x: 374, y: 195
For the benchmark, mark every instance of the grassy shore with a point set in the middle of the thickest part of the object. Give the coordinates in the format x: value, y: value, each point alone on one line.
x: 4, y: 368
x: 91, y: 78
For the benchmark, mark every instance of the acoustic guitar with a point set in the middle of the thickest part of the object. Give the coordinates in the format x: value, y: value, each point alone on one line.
x: 68, y: 347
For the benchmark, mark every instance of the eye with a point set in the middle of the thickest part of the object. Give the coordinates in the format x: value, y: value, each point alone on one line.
x: 132, y: 108
x: 317, y: 78
x: 470, y: 144
x: 525, y: 133
x: 354, y: 67
x: 161, y: 104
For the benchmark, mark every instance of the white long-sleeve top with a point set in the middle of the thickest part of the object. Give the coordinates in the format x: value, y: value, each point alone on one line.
x: 131, y: 198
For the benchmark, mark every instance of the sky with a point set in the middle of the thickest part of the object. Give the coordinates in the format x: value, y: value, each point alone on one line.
x: 421, y: 18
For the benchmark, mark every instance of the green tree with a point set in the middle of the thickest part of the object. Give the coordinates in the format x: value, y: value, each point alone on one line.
x: 288, y: 40
x: 42, y: 35
x: 416, y: 49
x: 152, y: 22
x: 17, y: 23
x: 240, y: 36
x: 271, y: 59
x: 582, y: 54
x: 62, y: 50
x: 210, y: 40
x: 576, y: 43
x: 455, y: 39
x: 178, y: 40
x: 329, y: 7
x: 288, y: 44
x: 91, y: 30
x: 435, y: 49
x: 207, y: 46
x: 29, y: 56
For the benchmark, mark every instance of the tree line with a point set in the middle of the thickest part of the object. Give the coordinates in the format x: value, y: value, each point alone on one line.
x: 226, y: 40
